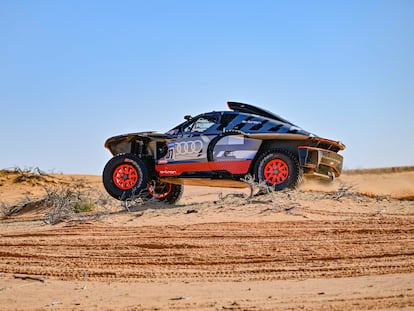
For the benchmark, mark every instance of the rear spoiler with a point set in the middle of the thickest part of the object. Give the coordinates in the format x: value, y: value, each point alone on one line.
x: 246, y: 108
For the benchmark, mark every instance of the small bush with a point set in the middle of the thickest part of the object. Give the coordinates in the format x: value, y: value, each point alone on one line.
x: 83, y: 206
x: 65, y: 203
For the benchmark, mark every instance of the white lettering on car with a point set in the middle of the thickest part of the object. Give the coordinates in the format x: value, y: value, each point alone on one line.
x: 168, y: 172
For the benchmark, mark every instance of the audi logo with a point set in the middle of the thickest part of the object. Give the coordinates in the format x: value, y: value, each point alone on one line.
x: 188, y: 147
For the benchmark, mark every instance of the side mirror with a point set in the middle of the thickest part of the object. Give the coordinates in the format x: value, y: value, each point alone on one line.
x: 188, y: 117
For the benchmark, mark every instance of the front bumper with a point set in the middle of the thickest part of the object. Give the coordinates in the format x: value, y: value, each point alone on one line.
x: 320, y: 162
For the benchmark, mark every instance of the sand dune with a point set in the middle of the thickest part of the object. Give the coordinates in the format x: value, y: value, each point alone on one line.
x: 347, y: 245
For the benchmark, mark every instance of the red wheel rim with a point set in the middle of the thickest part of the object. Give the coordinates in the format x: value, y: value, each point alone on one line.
x: 276, y: 171
x: 125, y: 176
x: 159, y: 191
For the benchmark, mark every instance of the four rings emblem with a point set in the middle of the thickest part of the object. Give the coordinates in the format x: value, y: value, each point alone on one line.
x: 188, y: 147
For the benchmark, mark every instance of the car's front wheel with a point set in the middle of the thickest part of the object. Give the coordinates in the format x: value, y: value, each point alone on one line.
x: 125, y: 176
x: 279, y: 169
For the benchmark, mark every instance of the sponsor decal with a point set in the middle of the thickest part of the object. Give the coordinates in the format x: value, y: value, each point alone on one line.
x: 251, y: 122
x: 188, y: 147
x: 168, y: 172
x: 162, y: 161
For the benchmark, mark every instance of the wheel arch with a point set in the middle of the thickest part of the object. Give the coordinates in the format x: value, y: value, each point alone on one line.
x: 290, y: 147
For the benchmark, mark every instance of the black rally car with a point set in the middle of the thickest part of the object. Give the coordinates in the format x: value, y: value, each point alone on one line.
x: 218, y: 148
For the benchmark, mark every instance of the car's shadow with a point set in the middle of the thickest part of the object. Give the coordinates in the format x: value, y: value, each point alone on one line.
x: 153, y: 204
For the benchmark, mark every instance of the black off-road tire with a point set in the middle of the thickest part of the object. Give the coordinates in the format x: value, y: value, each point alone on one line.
x: 279, y: 169
x: 175, y: 194
x: 165, y: 192
x: 125, y: 176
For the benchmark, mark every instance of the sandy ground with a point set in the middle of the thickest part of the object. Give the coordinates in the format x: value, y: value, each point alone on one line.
x: 348, y: 245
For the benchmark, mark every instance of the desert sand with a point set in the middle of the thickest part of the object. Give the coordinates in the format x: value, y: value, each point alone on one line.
x: 347, y: 245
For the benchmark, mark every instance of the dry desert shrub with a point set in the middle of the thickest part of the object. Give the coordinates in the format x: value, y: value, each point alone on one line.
x: 263, y: 197
x: 61, y: 200
x: 29, y: 175
x: 61, y: 203
x: 27, y: 205
x: 347, y: 191
x: 74, y: 204
x: 133, y: 202
x: 291, y: 201
x: 4, y: 209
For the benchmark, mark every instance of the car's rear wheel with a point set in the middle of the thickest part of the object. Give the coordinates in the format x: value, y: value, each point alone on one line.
x: 279, y: 169
x: 125, y: 176
x: 165, y: 192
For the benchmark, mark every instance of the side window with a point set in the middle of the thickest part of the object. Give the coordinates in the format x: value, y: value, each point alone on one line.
x: 225, y: 120
x: 201, y: 124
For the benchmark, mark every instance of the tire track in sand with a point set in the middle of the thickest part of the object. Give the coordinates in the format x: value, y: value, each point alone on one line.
x: 217, y: 252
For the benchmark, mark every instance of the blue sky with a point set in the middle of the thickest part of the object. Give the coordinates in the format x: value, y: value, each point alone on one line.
x: 73, y: 73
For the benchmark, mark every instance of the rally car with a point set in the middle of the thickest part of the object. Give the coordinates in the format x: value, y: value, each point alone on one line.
x: 218, y: 148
